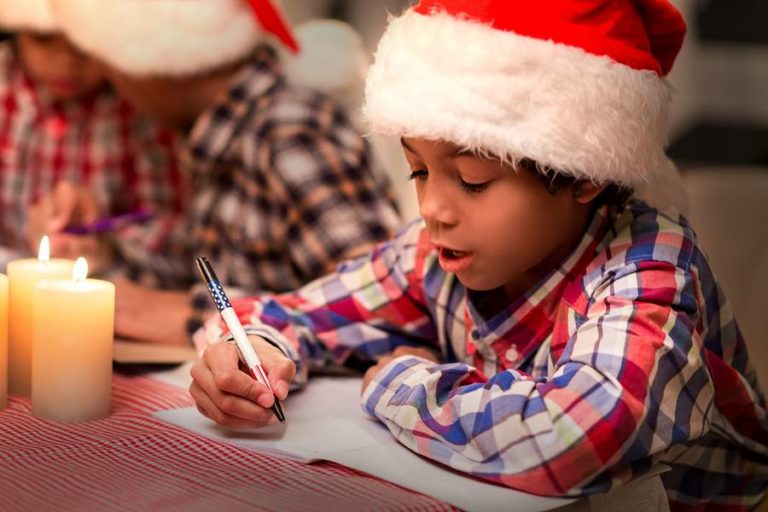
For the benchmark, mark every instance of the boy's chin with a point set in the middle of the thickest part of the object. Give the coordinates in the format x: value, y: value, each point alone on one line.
x: 478, y: 285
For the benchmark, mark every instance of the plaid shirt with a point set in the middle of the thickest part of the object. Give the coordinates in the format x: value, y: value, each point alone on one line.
x: 284, y: 188
x: 100, y: 142
x: 624, y: 356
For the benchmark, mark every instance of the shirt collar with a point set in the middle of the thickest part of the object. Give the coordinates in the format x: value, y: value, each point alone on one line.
x: 550, y: 289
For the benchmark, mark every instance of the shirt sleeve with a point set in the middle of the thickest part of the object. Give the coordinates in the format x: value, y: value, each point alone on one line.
x: 365, y: 309
x: 630, y: 382
x: 337, y: 207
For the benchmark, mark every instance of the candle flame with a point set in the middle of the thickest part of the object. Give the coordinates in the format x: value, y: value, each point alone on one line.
x: 80, y: 272
x: 44, y: 253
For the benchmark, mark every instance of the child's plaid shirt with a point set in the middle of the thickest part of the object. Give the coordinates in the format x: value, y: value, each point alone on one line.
x: 284, y: 188
x: 624, y: 356
x: 99, y: 142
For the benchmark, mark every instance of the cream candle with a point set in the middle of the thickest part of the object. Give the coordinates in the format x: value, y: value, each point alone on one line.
x: 23, y: 276
x: 3, y: 341
x: 72, y: 349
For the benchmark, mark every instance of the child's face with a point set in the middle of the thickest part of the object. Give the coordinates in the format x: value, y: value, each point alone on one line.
x: 494, y: 226
x: 164, y: 98
x: 52, y: 61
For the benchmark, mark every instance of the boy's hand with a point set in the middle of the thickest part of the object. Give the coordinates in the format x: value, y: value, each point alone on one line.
x: 231, y: 397
x: 424, y: 353
x: 68, y: 204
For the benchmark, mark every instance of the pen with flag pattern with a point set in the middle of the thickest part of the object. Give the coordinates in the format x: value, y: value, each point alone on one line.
x: 246, y: 350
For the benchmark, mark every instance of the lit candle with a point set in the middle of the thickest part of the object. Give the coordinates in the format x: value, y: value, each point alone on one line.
x: 23, y: 276
x: 72, y: 349
x: 3, y: 341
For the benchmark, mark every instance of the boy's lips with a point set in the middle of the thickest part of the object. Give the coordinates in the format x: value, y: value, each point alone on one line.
x: 453, y: 260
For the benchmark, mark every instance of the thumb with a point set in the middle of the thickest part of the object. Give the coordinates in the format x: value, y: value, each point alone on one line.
x: 280, y: 370
x: 65, y: 201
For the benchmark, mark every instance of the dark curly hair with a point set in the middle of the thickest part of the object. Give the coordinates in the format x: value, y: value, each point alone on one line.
x: 614, y: 195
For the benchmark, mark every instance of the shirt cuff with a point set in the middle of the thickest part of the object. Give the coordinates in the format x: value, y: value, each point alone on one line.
x: 388, y: 382
x: 274, y: 338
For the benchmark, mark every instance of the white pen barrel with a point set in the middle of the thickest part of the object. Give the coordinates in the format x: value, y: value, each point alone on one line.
x: 246, y: 349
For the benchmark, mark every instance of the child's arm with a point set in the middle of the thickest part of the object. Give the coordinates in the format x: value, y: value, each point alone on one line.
x: 631, y: 382
x: 366, y: 309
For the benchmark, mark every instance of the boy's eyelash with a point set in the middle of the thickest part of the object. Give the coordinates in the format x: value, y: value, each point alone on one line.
x: 474, y: 187
x: 421, y: 174
x: 417, y: 174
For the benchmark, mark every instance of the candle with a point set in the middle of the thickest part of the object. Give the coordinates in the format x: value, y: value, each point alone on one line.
x: 72, y: 349
x: 23, y: 276
x: 3, y: 341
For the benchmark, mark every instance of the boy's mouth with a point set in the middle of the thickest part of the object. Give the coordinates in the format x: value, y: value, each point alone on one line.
x: 452, y: 260
x: 452, y: 254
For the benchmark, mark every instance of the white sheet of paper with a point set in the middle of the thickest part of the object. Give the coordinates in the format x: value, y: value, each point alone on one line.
x: 326, y: 422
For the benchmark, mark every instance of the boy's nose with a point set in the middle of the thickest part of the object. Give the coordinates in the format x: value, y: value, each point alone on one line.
x: 435, y: 207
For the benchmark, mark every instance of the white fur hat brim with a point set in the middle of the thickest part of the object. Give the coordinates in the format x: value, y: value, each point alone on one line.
x: 161, y: 37
x: 443, y: 78
x: 34, y: 15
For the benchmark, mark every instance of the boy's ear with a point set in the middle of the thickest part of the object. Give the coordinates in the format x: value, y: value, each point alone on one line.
x: 586, y: 191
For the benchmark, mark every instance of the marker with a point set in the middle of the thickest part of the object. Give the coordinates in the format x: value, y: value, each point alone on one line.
x: 109, y: 223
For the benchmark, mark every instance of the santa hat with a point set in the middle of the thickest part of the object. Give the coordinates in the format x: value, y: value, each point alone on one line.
x: 577, y: 86
x: 171, y: 37
x: 27, y: 15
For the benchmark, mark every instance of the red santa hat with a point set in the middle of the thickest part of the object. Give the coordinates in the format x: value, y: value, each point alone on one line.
x: 27, y: 15
x: 171, y: 37
x: 575, y: 85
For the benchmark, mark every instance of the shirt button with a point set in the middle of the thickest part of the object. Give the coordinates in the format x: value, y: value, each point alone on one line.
x: 512, y: 355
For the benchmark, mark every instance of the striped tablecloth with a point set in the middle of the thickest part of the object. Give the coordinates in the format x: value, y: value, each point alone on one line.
x: 131, y: 461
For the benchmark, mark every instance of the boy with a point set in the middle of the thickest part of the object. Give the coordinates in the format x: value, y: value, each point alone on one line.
x: 283, y: 184
x: 64, y: 132
x: 582, y: 335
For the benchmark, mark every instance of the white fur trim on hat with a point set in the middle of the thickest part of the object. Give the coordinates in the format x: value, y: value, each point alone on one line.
x: 443, y: 78
x: 161, y: 37
x: 27, y: 15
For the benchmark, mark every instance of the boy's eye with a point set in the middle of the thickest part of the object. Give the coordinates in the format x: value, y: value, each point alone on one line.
x: 418, y: 174
x: 474, y: 187
x: 42, y: 38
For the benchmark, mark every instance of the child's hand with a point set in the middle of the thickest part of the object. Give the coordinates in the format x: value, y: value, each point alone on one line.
x: 67, y: 204
x: 399, y: 351
x: 229, y: 396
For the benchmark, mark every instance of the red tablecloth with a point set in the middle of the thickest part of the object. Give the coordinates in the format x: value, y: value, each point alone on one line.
x: 131, y: 461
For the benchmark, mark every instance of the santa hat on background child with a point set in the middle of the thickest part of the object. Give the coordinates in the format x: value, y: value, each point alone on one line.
x: 575, y: 85
x: 27, y: 15
x: 187, y: 37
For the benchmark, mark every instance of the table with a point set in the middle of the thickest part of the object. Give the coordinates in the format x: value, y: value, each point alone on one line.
x: 131, y: 461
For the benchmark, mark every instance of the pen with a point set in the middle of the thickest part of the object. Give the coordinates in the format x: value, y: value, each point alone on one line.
x: 247, y: 353
x: 109, y: 223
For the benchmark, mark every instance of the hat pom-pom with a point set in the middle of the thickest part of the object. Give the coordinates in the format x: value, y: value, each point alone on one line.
x: 333, y: 59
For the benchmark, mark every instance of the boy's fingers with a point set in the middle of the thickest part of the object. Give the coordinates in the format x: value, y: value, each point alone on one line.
x: 280, y: 370
x: 209, y: 409
x: 414, y: 351
x: 222, y: 406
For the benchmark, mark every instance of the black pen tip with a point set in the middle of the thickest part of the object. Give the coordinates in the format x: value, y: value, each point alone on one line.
x: 278, y: 410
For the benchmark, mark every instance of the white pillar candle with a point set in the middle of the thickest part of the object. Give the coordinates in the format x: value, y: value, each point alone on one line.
x: 23, y: 276
x: 3, y: 341
x: 72, y: 349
